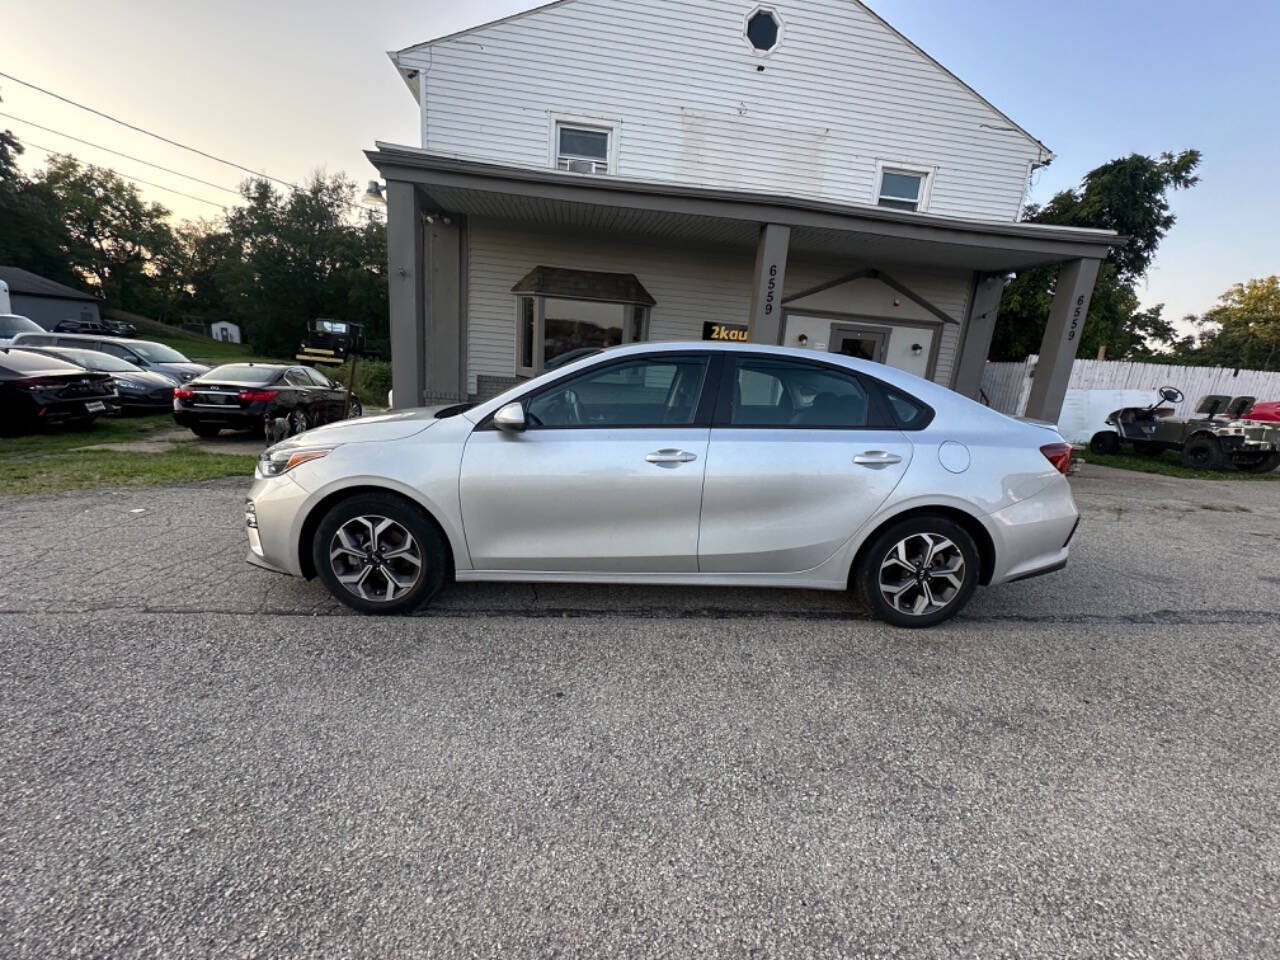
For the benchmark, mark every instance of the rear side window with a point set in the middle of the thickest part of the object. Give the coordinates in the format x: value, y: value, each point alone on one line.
x: 296, y: 378
x: 36, y: 340
x: 908, y: 412
x: 765, y: 392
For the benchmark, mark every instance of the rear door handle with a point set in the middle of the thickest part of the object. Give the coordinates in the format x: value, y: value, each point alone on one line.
x: 670, y: 455
x: 876, y: 458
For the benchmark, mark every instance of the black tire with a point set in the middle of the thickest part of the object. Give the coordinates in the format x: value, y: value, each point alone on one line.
x: 1264, y: 463
x: 1202, y: 452
x: 355, y: 410
x: 1146, y: 449
x: 298, y: 422
x: 884, y: 547
x: 1105, y: 442
x: 206, y: 431
x: 349, y: 514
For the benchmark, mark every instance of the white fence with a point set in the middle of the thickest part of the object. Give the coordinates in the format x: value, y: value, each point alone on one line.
x: 1006, y: 386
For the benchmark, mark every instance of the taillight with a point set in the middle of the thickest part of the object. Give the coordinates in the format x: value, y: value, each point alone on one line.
x: 257, y: 396
x: 182, y: 393
x: 1059, y: 454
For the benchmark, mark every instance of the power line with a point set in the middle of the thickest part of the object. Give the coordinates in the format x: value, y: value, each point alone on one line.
x: 189, y: 196
x: 143, y: 130
x: 98, y: 146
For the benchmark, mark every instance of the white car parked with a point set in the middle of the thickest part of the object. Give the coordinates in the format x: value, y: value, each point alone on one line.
x: 676, y: 463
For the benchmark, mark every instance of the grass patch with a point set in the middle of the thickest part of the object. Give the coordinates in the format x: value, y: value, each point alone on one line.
x: 49, y: 461
x: 55, y: 438
x: 86, y: 469
x: 1166, y: 465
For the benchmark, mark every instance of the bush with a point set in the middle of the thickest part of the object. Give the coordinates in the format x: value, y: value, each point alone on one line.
x: 373, y: 380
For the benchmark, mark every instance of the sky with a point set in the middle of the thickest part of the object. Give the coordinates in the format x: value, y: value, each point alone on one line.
x: 291, y: 88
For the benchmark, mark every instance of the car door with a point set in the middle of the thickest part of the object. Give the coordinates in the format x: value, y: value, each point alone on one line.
x: 300, y: 392
x: 607, y: 476
x: 801, y: 455
x: 328, y: 403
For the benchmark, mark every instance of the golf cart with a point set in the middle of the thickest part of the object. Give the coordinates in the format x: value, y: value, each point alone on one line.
x: 1214, y: 437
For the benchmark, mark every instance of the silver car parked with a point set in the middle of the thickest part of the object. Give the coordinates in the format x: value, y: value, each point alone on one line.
x: 676, y: 463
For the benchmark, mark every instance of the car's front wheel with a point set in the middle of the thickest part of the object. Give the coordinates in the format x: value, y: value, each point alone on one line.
x: 918, y: 572
x: 378, y: 553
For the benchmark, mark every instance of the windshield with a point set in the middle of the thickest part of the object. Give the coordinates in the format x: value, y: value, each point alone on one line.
x: 11, y: 325
x: 94, y: 360
x: 241, y: 373
x: 157, y: 352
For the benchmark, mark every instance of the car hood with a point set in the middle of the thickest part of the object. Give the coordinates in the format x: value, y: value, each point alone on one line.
x: 385, y: 426
x: 146, y: 378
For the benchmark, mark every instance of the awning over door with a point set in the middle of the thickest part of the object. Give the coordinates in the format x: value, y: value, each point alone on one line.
x: 583, y: 285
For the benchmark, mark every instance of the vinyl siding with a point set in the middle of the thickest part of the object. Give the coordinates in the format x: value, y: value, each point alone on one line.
x: 691, y: 284
x: 679, y: 81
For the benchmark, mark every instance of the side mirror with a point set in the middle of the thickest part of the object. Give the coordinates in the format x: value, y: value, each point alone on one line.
x: 510, y: 417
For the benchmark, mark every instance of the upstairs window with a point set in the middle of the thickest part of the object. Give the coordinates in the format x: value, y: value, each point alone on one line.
x: 903, y: 189
x: 762, y: 30
x: 581, y: 149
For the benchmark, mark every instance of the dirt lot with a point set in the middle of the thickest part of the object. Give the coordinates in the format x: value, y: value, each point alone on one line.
x: 201, y: 759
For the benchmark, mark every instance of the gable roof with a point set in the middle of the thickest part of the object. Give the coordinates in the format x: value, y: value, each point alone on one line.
x: 32, y: 285
x: 406, y: 69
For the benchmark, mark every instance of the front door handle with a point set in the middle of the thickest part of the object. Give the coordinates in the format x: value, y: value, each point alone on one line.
x: 876, y: 458
x: 669, y: 456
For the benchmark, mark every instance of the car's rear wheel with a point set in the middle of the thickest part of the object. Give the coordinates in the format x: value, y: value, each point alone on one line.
x: 298, y: 422
x: 1202, y: 452
x: 918, y: 572
x: 378, y: 553
x: 207, y: 431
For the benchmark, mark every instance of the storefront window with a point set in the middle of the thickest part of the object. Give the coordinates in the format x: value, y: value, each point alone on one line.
x: 552, y: 327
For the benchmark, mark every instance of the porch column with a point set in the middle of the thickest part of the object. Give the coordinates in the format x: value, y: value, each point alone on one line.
x: 765, y: 321
x: 445, y: 341
x: 1061, y: 338
x: 979, y: 326
x: 405, y: 266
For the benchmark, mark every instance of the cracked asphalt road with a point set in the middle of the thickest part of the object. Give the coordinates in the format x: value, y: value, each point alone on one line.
x: 203, y: 759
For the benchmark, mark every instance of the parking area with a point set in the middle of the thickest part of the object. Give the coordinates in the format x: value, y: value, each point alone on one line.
x: 200, y: 758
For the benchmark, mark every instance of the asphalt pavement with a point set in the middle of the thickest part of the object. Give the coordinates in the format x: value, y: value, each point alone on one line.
x: 203, y: 759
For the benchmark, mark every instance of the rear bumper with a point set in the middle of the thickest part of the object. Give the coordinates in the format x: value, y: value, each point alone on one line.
x: 235, y: 419
x: 1033, y: 536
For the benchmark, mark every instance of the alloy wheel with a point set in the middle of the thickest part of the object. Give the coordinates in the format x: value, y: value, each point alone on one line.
x: 375, y: 558
x: 922, y: 574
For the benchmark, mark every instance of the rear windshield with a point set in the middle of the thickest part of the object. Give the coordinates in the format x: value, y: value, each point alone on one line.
x: 157, y: 352
x: 11, y: 326
x: 242, y: 373
x: 27, y: 364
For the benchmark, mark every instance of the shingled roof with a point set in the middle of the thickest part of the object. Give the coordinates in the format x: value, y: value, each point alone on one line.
x: 584, y: 285
x: 29, y: 284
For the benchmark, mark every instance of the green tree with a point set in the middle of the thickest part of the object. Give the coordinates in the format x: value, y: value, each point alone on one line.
x: 32, y: 232
x: 1131, y: 196
x: 112, y: 234
x: 1242, y: 331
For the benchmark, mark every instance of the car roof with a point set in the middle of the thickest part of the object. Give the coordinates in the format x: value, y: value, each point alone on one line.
x: 127, y: 341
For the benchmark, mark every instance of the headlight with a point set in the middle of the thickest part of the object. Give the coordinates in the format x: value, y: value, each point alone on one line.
x: 128, y: 384
x: 275, y: 463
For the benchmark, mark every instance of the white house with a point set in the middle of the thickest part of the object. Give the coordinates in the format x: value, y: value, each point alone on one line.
x: 225, y: 330
x: 602, y: 171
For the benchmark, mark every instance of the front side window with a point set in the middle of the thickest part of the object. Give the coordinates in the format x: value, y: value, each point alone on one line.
x: 124, y: 353
x: 901, y: 190
x: 581, y: 149
x: 768, y: 393
x: 654, y: 391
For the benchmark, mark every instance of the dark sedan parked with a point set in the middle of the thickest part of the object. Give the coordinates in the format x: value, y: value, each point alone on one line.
x: 271, y: 398
x: 35, y: 389
x: 137, y: 390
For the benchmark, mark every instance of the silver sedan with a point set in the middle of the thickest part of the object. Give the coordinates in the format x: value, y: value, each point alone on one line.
x: 677, y: 463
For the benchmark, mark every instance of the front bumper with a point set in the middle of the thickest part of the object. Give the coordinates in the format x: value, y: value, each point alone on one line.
x: 273, y: 524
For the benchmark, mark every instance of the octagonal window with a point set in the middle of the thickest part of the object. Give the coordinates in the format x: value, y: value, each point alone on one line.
x: 763, y: 30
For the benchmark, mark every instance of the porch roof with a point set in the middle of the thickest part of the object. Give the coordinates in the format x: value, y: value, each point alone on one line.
x: 732, y: 218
